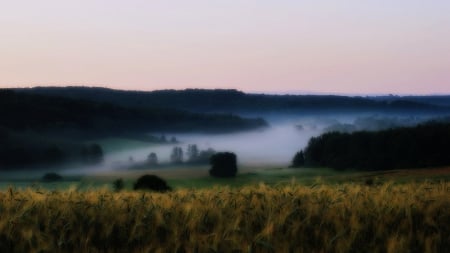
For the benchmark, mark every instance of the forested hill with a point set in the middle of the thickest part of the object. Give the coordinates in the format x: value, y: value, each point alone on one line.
x: 439, y: 100
x: 26, y: 111
x: 235, y: 101
x: 425, y: 145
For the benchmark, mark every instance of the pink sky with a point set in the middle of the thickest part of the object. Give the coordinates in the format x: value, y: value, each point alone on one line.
x: 351, y: 46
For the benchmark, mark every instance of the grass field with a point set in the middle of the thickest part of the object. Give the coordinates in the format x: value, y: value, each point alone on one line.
x: 197, y: 177
x: 348, y: 217
x: 261, y: 210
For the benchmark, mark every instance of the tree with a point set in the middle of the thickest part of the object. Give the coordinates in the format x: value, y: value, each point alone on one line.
x: 299, y: 160
x: 177, y: 155
x: 152, y: 159
x: 192, y: 153
x: 151, y: 182
x: 223, y: 164
x: 205, y: 155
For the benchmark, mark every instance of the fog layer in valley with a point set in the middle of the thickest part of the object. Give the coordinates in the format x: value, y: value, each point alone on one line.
x: 275, y: 145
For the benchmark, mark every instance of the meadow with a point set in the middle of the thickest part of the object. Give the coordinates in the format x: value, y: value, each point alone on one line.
x: 288, y: 216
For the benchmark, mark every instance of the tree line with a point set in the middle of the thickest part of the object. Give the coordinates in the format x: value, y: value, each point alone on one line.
x: 22, y: 111
x: 202, y: 100
x: 425, y: 145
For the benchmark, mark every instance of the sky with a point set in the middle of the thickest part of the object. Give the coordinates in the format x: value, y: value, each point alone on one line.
x: 269, y: 46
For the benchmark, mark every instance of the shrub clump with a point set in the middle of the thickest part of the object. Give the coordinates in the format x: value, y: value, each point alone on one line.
x: 51, y: 177
x: 151, y: 182
x: 118, y: 185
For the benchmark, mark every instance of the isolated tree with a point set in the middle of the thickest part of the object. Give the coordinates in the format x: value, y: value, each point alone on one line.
x: 299, y: 159
x: 223, y: 164
x: 151, y: 182
x: 152, y: 159
x: 177, y: 155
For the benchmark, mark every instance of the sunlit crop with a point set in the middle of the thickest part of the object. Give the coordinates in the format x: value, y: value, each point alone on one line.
x: 287, y: 218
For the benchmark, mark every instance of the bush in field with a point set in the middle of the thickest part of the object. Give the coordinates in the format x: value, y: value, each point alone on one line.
x: 223, y: 164
x: 51, y: 177
x: 151, y: 182
x: 118, y: 185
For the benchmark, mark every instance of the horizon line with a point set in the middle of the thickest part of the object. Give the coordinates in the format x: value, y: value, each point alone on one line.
x: 261, y: 92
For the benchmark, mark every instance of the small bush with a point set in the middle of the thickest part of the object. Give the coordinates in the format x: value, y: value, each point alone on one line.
x: 51, y: 177
x: 151, y: 182
x: 118, y: 185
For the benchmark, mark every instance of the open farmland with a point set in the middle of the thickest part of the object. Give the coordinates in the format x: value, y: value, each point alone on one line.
x: 349, y: 217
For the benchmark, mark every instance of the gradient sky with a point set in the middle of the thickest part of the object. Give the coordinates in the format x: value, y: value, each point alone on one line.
x: 340, y: 46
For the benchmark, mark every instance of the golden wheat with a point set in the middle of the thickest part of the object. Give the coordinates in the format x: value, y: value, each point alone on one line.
x: 290, y: 218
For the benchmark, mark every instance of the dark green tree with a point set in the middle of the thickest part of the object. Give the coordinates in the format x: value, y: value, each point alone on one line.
x: 299, y: 160
x: 223, y: 164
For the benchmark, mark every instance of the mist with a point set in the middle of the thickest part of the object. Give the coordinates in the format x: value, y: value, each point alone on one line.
x: 273, y: 146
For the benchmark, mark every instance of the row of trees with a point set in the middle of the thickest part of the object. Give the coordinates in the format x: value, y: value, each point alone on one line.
x: 425, y: 145
x: 18, y: 153
x: 198, y: 100
x: 77, y: 118
x: 193, y: 155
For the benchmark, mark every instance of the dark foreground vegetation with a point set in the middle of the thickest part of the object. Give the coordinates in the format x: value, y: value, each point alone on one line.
x: 387, y: 218
x: 151, y: 182
x: 426, y: 145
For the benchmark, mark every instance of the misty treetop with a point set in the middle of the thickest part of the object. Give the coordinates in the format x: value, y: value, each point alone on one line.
x: 425, y: 145
x: 193, y: 155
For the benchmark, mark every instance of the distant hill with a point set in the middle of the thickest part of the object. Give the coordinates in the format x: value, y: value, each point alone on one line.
x: 438, y: 100
x: 50, y: 113
x: 219, y: 100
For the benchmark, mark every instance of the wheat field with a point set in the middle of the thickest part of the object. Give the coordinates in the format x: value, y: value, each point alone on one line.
x: 412, y: 217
